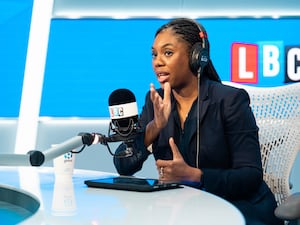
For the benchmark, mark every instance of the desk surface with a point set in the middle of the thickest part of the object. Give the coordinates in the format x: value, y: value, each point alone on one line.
x: 70, y: 201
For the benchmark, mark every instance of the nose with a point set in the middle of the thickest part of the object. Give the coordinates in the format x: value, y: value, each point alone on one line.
x: 157, y: 61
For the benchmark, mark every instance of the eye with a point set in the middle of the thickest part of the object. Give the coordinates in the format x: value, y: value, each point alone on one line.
x: 168, y: 53
x: 154, y: 54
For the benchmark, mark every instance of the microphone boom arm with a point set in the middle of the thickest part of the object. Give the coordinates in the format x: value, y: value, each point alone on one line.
x: 37, y: 158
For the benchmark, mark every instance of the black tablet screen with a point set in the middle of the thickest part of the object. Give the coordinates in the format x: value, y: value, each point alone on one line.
x: 131, y: 184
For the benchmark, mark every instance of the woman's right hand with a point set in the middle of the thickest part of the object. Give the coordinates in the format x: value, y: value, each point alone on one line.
x: 162, y: 107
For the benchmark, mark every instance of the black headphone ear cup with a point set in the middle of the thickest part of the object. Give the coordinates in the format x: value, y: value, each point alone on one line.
x: 195, y: 55
x: 199, y: 57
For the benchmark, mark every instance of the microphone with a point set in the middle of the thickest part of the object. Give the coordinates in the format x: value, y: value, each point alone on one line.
x: 124, y: 123
x: 124, y: 120
x: 37, y: 158
x: 123, y: 111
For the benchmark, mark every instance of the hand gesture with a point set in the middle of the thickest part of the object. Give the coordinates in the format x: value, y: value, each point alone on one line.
x: 177, y: 169
x: 162, y: 107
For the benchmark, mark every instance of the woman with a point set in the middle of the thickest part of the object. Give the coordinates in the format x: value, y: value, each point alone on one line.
x: 228, y: 161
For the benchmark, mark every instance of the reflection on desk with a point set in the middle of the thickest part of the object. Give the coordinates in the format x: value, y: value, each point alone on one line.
x: 70, y: 201
x: 63, y: 200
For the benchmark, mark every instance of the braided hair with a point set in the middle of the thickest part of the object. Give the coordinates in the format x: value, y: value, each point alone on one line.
x: 188, y: 30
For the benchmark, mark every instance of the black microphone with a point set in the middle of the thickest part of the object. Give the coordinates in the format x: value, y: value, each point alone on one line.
x: 124, y: 119
x: 123, y: 111
x: 124, y: 122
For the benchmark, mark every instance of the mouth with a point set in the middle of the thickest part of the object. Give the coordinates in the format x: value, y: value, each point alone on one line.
x: 162, y: 76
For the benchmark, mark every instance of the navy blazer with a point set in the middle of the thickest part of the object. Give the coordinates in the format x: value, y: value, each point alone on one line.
x: 229, y: 153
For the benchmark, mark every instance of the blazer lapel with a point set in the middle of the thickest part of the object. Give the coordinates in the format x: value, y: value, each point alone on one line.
x: 204, y: 98
x: 204, y: 103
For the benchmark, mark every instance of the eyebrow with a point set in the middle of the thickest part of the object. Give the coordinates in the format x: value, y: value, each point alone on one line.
x: 165, y: 45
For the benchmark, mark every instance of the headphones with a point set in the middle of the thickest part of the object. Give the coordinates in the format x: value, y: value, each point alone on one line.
x: 199, y: 54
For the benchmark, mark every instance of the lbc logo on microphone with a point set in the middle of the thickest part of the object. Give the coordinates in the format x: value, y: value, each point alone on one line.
x: 265, y: 62
x: 116, y: 112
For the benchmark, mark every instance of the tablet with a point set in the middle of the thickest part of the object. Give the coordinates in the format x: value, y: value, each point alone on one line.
x: 131, y: 183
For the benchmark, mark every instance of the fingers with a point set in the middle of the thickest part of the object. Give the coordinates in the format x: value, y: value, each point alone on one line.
x: 161, y: 172
x: 167, y: 92
x: 174, y: 148
x: 176, y: 155
x: 155, y: 97
x: 168, y: 169
x: 152, y: 92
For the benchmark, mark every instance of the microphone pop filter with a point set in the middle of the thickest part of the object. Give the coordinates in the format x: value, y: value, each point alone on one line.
x: 122, y: 108
x: 121, y: 96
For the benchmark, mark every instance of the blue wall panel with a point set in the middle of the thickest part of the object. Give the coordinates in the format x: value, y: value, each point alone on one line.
x: 88, y: 59
x: 15, y: 17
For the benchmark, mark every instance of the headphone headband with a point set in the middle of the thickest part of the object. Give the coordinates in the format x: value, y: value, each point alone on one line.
x: 199, y: 54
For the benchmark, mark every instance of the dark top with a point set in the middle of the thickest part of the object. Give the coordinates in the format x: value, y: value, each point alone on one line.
x: 229, y: 147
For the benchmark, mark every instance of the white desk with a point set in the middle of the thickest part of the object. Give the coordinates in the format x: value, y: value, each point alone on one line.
x: 72, y: 202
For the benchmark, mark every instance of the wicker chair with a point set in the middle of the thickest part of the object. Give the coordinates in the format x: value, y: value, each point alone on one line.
x: 277, y: 113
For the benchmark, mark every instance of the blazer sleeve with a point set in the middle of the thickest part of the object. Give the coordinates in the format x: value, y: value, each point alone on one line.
x: 245, y: 175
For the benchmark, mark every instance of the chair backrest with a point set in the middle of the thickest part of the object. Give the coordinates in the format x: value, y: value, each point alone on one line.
x: 277, y: 113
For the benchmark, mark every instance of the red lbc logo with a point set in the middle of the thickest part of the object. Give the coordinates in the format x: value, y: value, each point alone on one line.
x: 244, y: 63
x: 265, y: 62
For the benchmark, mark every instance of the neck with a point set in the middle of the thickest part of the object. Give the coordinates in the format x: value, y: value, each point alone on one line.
x: 185, y: 99
x: 186, y: 94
